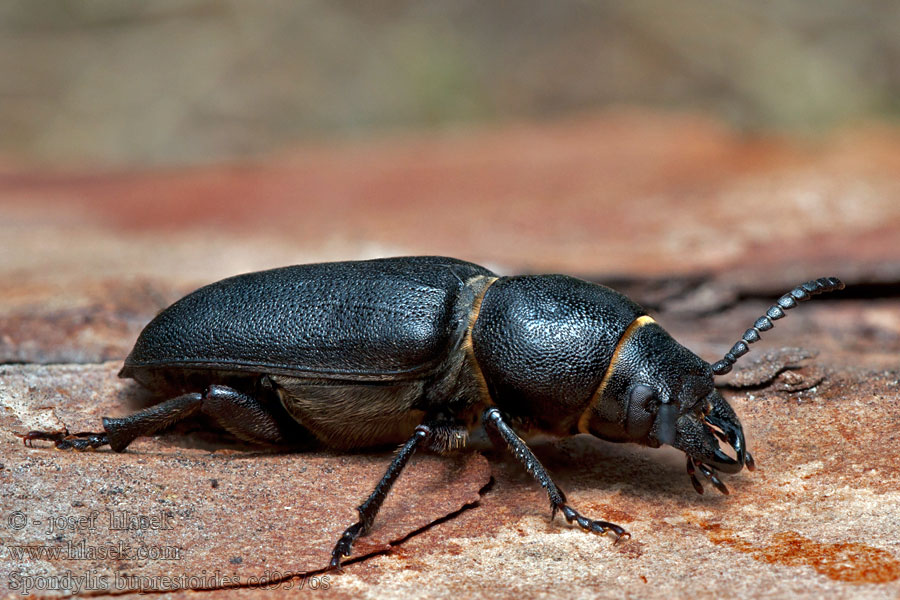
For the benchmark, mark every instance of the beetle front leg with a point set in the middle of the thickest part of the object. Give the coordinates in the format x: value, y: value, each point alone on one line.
x: 369, y: 509
x: 493, y: 421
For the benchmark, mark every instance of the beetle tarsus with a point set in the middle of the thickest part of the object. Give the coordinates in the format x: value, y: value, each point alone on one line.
x: 369, y: 509
x: 600, y: 527
x: 495, y: 424
x: 63, y: 440
x: 344, y: 545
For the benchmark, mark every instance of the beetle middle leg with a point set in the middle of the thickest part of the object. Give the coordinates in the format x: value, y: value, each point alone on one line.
x: 369, y: 509
x: 494, y: 423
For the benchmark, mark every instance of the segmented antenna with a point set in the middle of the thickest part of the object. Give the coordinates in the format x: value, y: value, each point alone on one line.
x: 801, y: 293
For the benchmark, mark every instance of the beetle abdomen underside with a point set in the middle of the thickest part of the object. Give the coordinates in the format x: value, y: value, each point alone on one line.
x: 347, y: 416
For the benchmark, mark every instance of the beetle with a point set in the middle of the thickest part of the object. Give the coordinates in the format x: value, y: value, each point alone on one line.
x: 420, y: 351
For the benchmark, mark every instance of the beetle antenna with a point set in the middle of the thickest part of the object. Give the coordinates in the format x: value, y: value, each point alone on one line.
x: 801, y: 293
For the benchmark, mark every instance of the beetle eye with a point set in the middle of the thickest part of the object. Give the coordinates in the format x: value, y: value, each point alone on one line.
x: 645, y: 397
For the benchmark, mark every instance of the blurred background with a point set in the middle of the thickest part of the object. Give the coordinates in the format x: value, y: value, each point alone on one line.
x: 173, y: 82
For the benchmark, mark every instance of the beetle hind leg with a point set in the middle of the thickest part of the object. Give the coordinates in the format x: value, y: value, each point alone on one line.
x: 242, y: 414
x: 252, y: 419
x: 498, y: 428
x: 63, y: 440
x: 118, y: 433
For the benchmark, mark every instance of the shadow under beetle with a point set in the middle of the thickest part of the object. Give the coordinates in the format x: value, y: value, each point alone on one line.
x: 423, y: 349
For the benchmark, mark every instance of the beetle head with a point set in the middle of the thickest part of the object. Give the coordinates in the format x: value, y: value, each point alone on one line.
x: 658, y: 392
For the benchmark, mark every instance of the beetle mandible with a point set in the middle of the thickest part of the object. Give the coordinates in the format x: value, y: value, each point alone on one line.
x: 420, y: 351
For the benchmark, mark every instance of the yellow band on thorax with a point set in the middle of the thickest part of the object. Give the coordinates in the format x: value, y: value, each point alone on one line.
x: 469, y: 348
x: 585, y: 417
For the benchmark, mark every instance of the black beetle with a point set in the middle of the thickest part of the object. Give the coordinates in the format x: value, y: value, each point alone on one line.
x: 421, y: 349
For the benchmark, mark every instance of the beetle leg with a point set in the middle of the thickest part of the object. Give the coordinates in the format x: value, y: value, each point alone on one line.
x: 63, y: 440
x: 369, y: 509
x: 125, y: 430
x: 250, y: 419
x: 241, y: 414
x: 121, y: 432
x: 493, y: 420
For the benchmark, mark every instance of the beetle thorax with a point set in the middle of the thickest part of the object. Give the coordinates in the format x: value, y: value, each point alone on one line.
x: 544, y: 345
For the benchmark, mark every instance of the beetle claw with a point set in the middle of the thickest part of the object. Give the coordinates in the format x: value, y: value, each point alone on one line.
x: 50, y: 436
